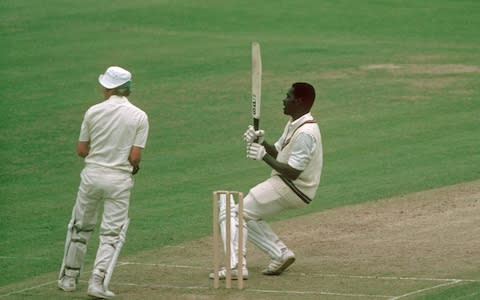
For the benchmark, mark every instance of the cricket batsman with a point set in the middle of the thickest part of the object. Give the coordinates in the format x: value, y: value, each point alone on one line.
x: 296, y: 159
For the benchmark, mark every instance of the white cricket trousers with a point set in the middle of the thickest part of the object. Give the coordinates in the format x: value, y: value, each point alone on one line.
x: 113, y: 188
x: 268, y: 198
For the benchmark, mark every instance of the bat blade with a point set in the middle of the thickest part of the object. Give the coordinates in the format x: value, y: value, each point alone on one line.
x: 256, y: 84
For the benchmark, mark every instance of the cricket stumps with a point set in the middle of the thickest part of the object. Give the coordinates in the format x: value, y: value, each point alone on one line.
x: 216, y: 197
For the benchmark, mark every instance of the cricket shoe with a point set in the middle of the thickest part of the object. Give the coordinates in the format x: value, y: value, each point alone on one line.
x: 277, y: 266
x: 67, y: 283
x: 222, y: 274
x: 96, y: 289
x: 69, y: 280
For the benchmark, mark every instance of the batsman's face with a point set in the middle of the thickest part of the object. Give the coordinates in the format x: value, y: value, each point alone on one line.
x: 289, y: 103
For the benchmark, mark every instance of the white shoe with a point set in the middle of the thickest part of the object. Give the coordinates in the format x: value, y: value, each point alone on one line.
x: 276, y: 267
x: 67, y: 283
x: 222, y: 274
x: 96, y: 289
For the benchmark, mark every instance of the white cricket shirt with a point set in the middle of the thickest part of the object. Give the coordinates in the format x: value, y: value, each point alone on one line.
x: 300, y: 146
x: 112, y: 127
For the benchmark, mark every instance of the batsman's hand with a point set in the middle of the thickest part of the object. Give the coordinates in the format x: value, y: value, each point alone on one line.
x: 255, y: 151
x: 252, y: 136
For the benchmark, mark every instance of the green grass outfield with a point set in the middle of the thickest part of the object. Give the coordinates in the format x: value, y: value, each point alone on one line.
x: 398, y: 104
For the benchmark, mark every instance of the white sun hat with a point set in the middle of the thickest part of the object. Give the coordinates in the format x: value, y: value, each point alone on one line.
x: 114, y: 77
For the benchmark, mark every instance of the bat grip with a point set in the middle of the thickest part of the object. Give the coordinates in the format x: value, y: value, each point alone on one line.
x: 256, y: 126
x: 256, y: 123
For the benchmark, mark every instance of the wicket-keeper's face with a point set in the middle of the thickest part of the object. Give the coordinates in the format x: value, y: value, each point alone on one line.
x: 289, y: 103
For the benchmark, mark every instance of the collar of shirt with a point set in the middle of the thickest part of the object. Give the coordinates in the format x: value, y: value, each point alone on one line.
x: 118, y: 99
x: 299, y: 121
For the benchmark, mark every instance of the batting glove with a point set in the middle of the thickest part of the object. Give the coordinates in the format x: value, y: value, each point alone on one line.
x: 252, y: 136
x: 255, y: 151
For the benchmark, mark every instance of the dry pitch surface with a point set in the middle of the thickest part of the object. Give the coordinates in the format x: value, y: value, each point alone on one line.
x: 395, y: 248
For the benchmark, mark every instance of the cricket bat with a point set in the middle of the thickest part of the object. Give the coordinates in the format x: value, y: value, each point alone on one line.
x: 256, y: 84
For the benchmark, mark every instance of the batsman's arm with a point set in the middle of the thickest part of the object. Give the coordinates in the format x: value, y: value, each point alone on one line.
x: 271, y: 159
x: 268, y: 153
x: 270, y: 149
x: 282, y: 168
x: 303, y: 147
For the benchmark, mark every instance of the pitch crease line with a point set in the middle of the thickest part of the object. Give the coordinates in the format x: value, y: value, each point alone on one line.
x: 38, y: 286
x: 316, y: 274
x: 384, y: 277
x: 286, y: 292
x: 165, y: 286
x: 426, y: 289
x: 160, y: 265
x: 316, y: 293
x: 28, y: 289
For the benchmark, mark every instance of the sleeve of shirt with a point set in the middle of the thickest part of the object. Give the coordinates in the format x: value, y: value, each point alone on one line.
x: 142, y: 133
x: 303, y: 148
x: 84, y: 130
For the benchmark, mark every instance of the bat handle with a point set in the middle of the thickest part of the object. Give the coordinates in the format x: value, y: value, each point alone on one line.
x: 256, y: 125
